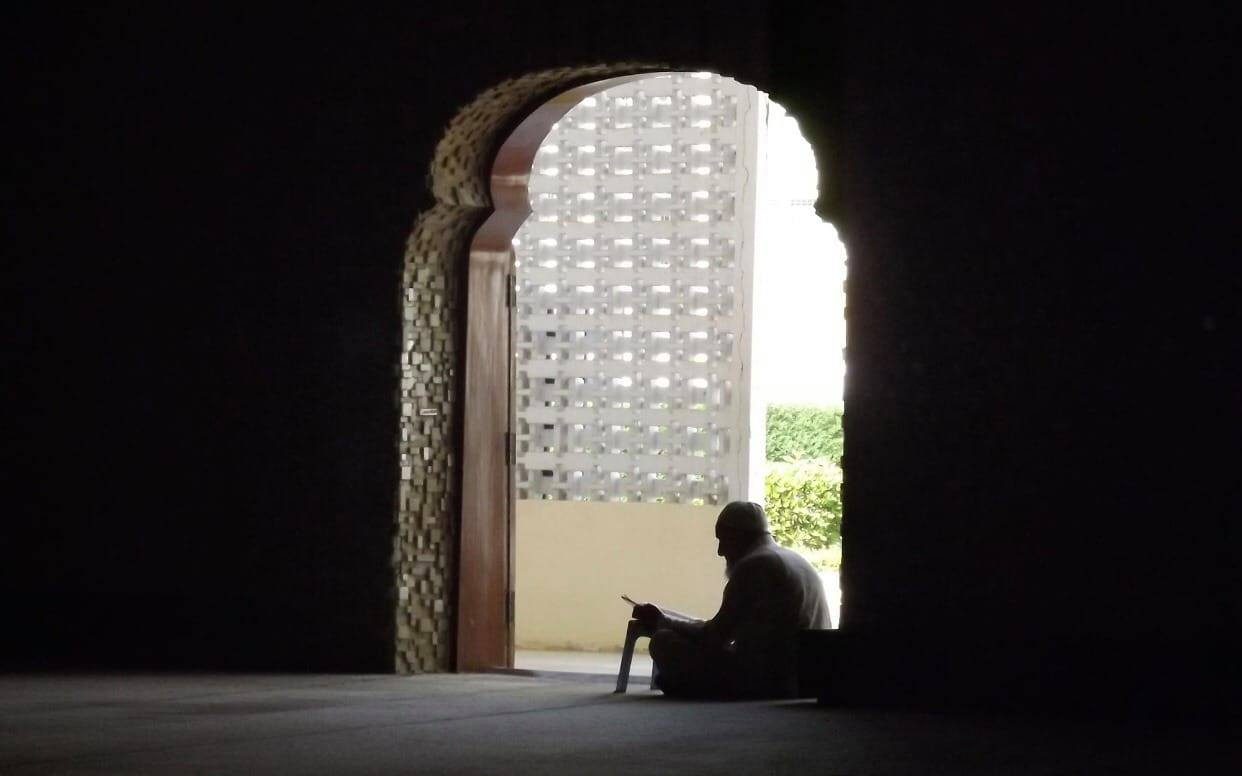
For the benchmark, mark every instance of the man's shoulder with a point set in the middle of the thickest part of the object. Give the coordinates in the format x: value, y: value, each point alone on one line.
x: 791, y: 561
x: 773, y: 556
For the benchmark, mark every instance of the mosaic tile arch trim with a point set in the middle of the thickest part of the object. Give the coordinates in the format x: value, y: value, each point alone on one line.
x: 432, y: 281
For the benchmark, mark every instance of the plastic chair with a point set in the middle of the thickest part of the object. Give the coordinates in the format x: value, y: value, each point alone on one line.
x: 633, y: 632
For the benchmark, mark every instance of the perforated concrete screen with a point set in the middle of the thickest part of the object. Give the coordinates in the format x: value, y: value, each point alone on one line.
x: 632, y: 299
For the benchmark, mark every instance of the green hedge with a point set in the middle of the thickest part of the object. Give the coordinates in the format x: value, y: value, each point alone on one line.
x: 796, y: 432
x: 803, y: 502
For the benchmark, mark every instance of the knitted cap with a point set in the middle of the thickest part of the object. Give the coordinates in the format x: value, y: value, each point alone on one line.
x: 743, y: 517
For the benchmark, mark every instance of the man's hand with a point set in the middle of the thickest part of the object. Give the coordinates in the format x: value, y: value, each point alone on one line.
x: 649, y: 615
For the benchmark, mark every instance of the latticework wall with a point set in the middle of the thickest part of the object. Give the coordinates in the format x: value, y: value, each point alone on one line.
x: 632, y: 300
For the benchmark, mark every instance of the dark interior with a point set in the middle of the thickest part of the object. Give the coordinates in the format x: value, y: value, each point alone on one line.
x: 207, y: 216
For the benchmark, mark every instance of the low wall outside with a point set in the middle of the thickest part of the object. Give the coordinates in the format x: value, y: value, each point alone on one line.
x: 575, y: 559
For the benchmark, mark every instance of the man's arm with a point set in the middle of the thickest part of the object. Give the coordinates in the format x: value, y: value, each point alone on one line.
x: 742, y: 603
x: 656, y: 618
x: 740, y: 594
x: 682, y: 623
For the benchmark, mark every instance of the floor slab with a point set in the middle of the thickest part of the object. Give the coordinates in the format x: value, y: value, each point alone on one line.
x: 256, y: 724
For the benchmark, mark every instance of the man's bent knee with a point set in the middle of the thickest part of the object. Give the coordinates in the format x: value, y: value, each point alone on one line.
x: 663, y: 643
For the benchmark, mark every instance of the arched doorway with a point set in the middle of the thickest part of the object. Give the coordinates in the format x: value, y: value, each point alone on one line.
x: 704, y: 462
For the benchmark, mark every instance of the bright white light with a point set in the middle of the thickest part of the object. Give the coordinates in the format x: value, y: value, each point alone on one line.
x: 701, y: 99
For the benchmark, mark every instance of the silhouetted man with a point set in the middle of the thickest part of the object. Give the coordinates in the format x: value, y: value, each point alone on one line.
x: 748, y: 648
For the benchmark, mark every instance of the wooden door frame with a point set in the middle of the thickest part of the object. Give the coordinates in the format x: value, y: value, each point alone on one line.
x: 486, y: 562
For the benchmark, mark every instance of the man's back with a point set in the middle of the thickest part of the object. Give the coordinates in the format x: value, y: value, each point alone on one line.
x: 772, y: 594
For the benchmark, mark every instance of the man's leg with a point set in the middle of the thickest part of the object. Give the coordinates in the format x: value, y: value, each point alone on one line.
x: 684, y: 668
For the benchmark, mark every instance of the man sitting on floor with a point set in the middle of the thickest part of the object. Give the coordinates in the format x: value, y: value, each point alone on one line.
x: 748, y: 650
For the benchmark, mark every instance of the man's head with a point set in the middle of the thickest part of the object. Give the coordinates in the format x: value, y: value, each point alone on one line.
x: 740, y: 526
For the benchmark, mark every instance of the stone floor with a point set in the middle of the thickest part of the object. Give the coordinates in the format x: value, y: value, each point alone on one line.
x: 256, y: 724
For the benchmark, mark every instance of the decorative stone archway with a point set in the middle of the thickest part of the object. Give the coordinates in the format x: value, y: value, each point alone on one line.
x: 434, y: 280
x: 432, y: 348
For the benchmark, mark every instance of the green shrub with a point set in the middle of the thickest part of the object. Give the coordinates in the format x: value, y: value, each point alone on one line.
x: 827, y: 559
x: 795, y: 432
x: 803, y: 502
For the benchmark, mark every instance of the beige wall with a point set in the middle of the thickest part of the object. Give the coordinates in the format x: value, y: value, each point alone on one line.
x: 575, y: 559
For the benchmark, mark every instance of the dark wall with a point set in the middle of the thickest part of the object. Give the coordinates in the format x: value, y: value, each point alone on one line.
x: 1042, y: 421
x: 210, y: 210
x: 209, y: 217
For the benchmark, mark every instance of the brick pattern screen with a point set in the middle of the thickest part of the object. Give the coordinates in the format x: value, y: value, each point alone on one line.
x: 630, y: 296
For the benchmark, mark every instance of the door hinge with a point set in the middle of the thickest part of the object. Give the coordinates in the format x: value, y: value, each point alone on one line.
x: 510, y: 291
